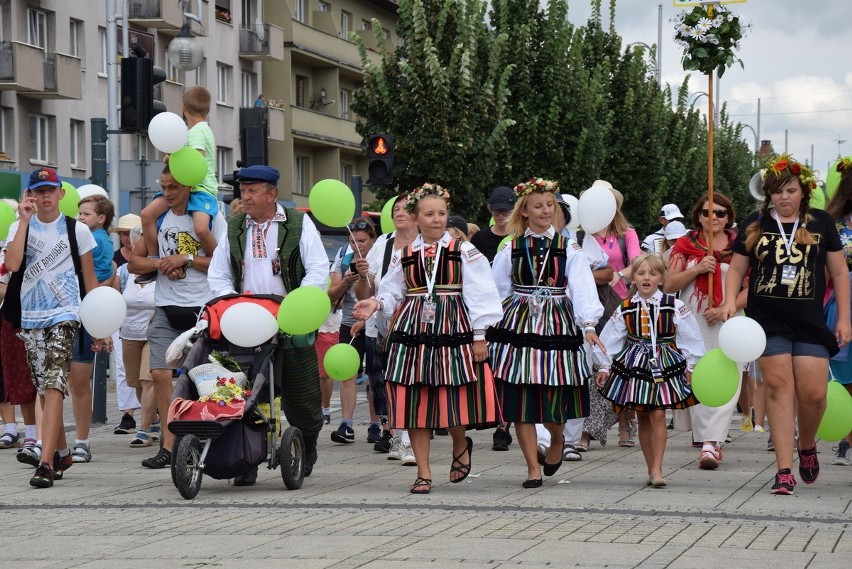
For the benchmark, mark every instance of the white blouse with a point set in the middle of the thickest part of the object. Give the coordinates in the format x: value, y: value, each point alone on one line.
x: 581, y: 287
x: 478, y: 290
x: 687, y: 334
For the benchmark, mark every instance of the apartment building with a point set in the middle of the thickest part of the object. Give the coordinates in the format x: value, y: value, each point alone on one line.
x: 53, y: 81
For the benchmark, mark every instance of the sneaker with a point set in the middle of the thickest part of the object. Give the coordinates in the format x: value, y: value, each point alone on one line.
x: 127, y: 426
x: 43, y: 477
x: 154, y: 431
x: 841, y: 450
x: 9, y: 440
x: 502, y: 439
x: 746, y: 425
x: 570, y: 454
x: 406, y: 455
x: 770, y: 446
x: 394, y: 449
x: 162, y: 459
x: 326, y: 419
x: 808, y: 465
x: 81, y: 453
x: 343, y: 434
x: 61, y: 464
x: 759, y: 429
x: 710, y: 459
x: 29, y: 453
x: 141, y: 440
x: 146, y: 278
x: 385, y: 443
x: 374, y: 434
x: 785, y: 483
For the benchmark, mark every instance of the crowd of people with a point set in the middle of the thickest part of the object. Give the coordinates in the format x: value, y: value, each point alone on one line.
x: 526, y: 325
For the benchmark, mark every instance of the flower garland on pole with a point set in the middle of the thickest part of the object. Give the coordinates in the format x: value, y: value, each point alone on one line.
x: 710, y: 36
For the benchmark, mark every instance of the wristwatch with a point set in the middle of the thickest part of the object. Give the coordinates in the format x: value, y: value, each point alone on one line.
x: 189, y: 259
x: 620, y: 274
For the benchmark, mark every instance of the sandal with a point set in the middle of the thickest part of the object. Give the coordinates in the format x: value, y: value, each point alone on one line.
x: 9, y: 440
x: 141, y: 439
x: 583, y: 445
x: 628, y: 442
x: 421, y: 486
x: 462, y: 467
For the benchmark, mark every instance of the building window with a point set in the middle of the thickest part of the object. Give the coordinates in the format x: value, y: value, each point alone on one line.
x: 248, y: 14
x: 303, y: 172
x: 299, y: 10
x: 102, y: 68
x: 3, y: 148
x: 223, y: 83
x: 76, y: 43
x: 301, y: 89
x: 224, y: 163
x: 346, y: 171
x: 78, y: 142
x: 223, y: 11
x: 39, y: 139
x: 345, y: 97
x: 345, y: 24
x: 324, y: 6
x: 172, y: 72
x: 247, y: 82
x: 37, y: 28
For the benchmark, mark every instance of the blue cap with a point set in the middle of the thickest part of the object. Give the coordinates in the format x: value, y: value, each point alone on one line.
x: 43, y: 177
x: 266, y: 174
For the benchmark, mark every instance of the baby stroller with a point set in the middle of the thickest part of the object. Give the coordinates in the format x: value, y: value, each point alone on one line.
x: 226, y: 440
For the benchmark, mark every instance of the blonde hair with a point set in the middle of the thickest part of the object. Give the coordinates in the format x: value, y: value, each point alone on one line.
x: 102, y: 206
x: 457, y: 234
x: 517, y: 222
x: 619, y: 224
x: 655, y: 262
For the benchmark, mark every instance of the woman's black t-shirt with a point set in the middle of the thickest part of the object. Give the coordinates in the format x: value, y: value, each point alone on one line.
x: 786, y: 291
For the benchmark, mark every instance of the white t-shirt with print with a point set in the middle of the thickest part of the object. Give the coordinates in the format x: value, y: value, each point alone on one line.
x: 176, y: 236
x: 50, y: 291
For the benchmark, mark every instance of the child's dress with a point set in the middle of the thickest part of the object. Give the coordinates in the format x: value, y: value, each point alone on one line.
x: 647, y: 363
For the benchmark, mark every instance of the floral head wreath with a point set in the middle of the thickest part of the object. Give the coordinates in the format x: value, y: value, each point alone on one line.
x: 421, y: 192
x: 536, y: 185
x: 844, y: 165
x: 786, y: 162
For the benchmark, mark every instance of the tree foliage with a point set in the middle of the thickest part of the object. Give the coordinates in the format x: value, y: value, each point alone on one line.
x: 474, y: 105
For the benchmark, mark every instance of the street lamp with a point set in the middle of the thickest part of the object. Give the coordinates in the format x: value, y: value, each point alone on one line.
x: 185, y: 50
x: 756, y: 141
x: 697, y: 96
x: 654, y: 64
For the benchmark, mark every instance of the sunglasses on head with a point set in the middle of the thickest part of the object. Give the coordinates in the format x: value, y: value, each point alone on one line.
x: 716, y: 213
x: 361, y: 225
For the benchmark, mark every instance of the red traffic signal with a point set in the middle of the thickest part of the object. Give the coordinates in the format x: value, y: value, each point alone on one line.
x: 380, y: 167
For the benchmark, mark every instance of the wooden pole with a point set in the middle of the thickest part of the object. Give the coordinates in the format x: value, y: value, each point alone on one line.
x: 710, y: 203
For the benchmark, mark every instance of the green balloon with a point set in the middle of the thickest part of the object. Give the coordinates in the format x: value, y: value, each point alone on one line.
x: 837, y: 421
x: 506, y: 239
x: 715, y: 379
x: 832, y: 179
x: 491, y: 222
x: 332, y: 203
x: 341, y: 362
x: 188, y: 166
x: 68, y: 203
x: 7, y: 218
x: 304, y: 310
x: 387, y: 216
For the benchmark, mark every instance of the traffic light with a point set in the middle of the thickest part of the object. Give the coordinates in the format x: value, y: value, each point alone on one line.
x: 380, y: 167
x: 231, y: 180
x: 138, y: 107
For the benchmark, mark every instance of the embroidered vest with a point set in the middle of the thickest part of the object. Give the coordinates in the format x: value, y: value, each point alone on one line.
x: 289, y: 234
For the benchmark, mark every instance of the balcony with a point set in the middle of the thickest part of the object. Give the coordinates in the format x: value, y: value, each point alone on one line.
x: 322, y: 128
x: 268, y: 45
x: 61, y: 76
x: 314, y: 47
x: 165, y: 15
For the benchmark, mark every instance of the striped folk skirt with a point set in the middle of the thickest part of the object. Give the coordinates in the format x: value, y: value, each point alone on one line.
x: 532, y: 403
x: 420, y: 406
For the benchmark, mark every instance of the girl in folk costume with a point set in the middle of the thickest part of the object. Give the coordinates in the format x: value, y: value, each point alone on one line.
x: 652, y: 343
x: 550, y: 304
x: 441, y: 297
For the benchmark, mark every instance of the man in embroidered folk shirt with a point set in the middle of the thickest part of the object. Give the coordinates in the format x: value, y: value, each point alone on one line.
x: 272, y: 250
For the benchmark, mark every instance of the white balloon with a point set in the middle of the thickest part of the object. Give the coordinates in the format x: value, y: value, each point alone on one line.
x: 102, y: 311
x: 248, y: 325
x: 742, y: 339
x: 596, y: 208
x: 573, y: 204
x: 167, y: 132
x: 87, y: 190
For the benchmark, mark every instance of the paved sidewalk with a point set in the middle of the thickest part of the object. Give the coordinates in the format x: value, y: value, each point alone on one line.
x: 355, y: 511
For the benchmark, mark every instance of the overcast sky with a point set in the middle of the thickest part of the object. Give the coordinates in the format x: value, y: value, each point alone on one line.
x: 797, y: 61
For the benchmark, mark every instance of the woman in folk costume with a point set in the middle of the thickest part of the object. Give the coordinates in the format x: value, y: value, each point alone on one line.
x: 652, y: 342
x: 550, y: 305
x: 442, y: 297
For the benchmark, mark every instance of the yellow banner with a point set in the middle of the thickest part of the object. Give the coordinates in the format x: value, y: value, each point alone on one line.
x: 690, y: 3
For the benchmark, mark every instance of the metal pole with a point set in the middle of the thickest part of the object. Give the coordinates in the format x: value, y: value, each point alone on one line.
x: 660, y: 45
x: 112, y: 101
x: 356, y: 186
x: 758, y: 118
x: 710, y: 202
x: 786, y: 137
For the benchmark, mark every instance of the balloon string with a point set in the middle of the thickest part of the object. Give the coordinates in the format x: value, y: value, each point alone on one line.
x: 357, y: 249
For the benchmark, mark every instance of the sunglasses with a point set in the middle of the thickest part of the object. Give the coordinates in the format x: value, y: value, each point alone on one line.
x: 716, y: 213
x: 358, y: 225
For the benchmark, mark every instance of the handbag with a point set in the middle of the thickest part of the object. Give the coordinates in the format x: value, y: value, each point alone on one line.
x: 182, y: 317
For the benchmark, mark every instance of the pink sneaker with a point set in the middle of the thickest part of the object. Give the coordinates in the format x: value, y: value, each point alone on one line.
x: 710, y: 459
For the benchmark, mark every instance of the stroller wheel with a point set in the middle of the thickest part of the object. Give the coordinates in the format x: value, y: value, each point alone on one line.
x: 186, y: 470
x: 291, y: 457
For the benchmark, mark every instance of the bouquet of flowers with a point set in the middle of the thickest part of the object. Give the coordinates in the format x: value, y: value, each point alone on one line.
x: 220, y: 381
x: 710, y: 37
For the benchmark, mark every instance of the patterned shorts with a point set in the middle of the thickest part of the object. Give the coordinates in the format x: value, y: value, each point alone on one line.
x: 49, y: 355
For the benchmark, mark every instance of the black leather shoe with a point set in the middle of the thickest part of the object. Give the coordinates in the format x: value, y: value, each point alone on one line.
x: 247, y: 479
x: 532, y: 483
x: 550, y: 469
x: 310, y: 451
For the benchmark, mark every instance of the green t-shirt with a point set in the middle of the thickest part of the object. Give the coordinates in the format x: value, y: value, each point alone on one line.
x: 201, y: 138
